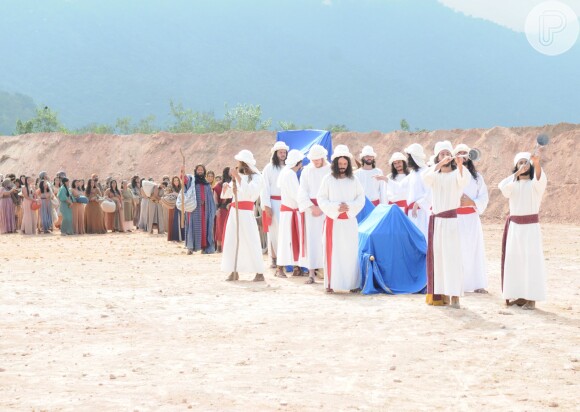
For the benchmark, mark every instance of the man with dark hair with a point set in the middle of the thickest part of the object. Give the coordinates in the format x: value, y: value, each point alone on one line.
x: 375, y: 189
x: 341, y: 197
x: 419, y: 196
x: 289, y: 227
x: 446, y: 178
x: 270, y: 198
x: 200, y: 223
x: 398, y: 182
x: 473, y: 203
x: 523, y: 270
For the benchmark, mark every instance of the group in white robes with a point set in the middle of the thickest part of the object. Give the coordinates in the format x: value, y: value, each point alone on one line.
x: 290, y: 224
x: 341, y: 271
x: 310, y: 181
x: 250, y: 248
x: 524, y: 270
x: 446, y: 189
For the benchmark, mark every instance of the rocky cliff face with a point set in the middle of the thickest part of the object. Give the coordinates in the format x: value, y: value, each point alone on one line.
x: 157, y: 155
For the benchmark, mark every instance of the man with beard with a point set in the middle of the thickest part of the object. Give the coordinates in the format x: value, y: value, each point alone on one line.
x: 374, y: 189
x: 446, y: 178
x: 397, y: 181
x: 473, y: 203
x: 312, y: 257
x: 341, y: 197
x: 270, y: 198
x: 419, y: 196
x: 289, y: 225
x: 243, y: 233
x: 523, y: 270
x: 200, y: 222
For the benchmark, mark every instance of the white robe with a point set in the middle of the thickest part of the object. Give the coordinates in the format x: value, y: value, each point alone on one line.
x: 250, y: 247
x: 374, y: 189
x: 310, y: 181
x: 446, y: 191
x: 524, y: 270
x: 471, y: 233
x: 421, y: 195
x: 398, y: 188
x: 288, y: 184
x: 270, y: 175
x: 344, y: 274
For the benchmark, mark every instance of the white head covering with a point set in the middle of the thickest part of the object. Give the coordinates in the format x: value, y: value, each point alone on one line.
x: 416, y: 151
x: 444, y: 145
x: 248, y: 158
x: 397, y: 156
x: 520, y: 156
x: 461, y: 147
x: 279, y: 145
x: 367, y: 151
x: 340, y: 151
x: 294, y: 156
x: 317, y: 152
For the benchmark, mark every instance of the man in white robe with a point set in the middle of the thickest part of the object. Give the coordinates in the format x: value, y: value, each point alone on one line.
x: 289, y: 225
x: 374, y: 189
x: 523, y: 266
x: 246, y: 237
x: 447, y: 179
x: 341, y: 197
x: 312, y: 257
x: 398, y: 181
x: 473, y: 203
x: 419, y: 196
x: 270, y: 197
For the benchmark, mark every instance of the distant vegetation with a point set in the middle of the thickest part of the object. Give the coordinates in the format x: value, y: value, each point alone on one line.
x: 243, y: 117
x: 13, y: 107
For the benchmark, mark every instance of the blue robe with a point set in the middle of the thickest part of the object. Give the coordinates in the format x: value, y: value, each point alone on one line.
x: 193, y: 223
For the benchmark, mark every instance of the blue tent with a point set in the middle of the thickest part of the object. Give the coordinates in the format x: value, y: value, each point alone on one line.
x: 365, y: 211
x: 303, y: 140
x: 391, y: 253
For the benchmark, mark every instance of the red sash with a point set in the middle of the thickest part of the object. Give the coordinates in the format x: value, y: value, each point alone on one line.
x: 436, y: 299
x: 244, y: 205
x: 329, y: 223
x: 467, y: 210
x: 295, y: 231
x: 400, y: 203
x: 375, y: 202
x: 520, y: 220
x: 409, y: 207
x: 267, y: 219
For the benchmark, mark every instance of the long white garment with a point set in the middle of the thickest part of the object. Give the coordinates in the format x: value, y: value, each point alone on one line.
x: 250, y: 247
x: 471, y: 233
x: 270, y: 175
x: 310, y: 181
x: 288, y: 184
x: 344, y: 273
x: 446, y: 190
x: 374, y: 189
x: 524, y: 270
x: 421, y: 195
x: 398, y: 188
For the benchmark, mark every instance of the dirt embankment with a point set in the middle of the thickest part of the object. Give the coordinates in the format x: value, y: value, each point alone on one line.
x: 156, y: 155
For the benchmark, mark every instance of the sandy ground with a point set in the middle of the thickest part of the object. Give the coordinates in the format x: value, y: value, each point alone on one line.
x: 131, y: 323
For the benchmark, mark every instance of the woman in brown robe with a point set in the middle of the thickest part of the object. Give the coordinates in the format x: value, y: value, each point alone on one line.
x: 114, y: 221
x: 94, y: 215
x: 128, y: 206
x: 78, y: 208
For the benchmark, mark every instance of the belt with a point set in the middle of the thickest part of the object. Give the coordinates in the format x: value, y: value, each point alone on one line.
x: 376, y: 202
x: 409, y: 207
x: 400, y: 203
x: 276, y: 197
x: 295, y: 230
x: 467, y: 210
x: 244, y: 205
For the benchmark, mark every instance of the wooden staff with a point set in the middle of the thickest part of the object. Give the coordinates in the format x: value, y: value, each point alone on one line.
x: 182, y: 190
x: 235, y: 189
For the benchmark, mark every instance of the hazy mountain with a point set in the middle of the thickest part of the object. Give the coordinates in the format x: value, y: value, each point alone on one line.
x: 362, y: 63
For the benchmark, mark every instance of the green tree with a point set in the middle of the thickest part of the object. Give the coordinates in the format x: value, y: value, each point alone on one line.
x: 246, y: 117
x: 45, y: 121
x: 95, y: 128
x: 337, y: 128
x: 405, y: 125
x: 123, y: 125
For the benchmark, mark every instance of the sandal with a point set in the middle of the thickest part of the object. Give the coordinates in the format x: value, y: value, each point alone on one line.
x: 280, y: 273
x: 329, y: 290
x: 297, y: 271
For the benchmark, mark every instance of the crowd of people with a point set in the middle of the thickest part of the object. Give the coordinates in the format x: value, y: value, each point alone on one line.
x: 305, y: 217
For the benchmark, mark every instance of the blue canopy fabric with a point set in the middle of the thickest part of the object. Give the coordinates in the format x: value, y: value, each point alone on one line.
x: 303, y: 140
x: 391, y: 253
x: 365, y: 211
